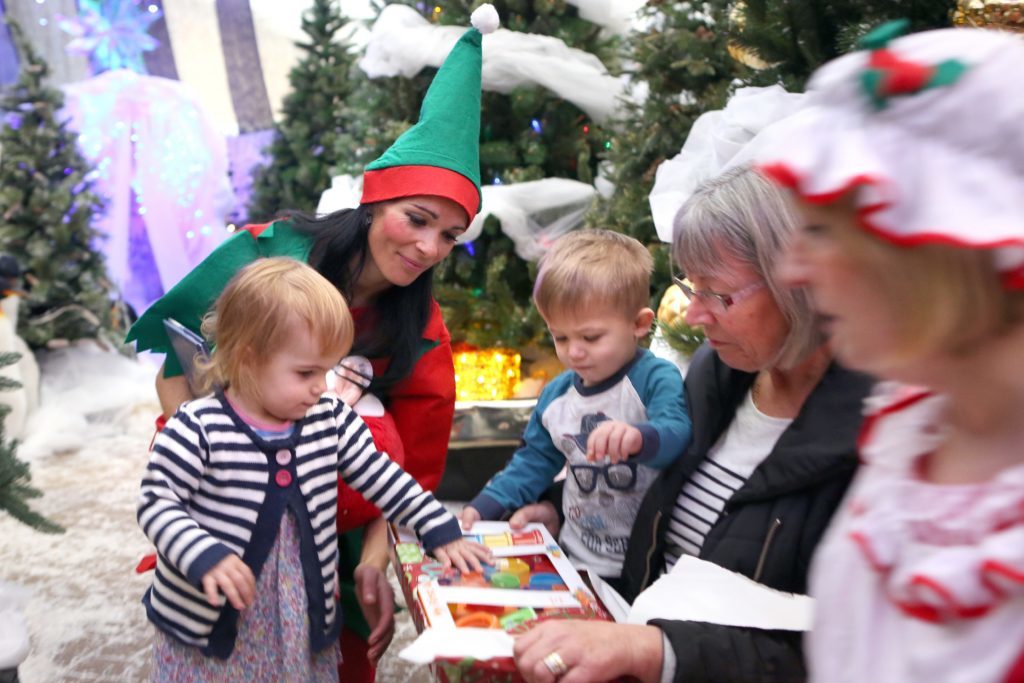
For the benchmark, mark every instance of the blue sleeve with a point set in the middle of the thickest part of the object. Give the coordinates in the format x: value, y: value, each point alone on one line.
x: 668, y: 429
x: 532, y: 468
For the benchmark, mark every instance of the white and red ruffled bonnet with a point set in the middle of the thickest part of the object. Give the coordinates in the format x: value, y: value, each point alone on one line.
x: 930, y: 128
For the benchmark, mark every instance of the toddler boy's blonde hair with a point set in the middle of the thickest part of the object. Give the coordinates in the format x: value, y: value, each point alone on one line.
x: 257, y: 314
x: 589, y: 269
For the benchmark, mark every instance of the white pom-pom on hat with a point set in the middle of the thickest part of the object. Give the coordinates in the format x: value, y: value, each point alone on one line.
x: 485, y: 19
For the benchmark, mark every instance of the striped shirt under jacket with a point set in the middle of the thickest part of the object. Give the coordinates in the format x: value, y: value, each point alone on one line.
x: 214, y: 487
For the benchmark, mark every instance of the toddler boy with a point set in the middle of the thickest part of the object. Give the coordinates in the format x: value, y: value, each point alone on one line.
x: 615, y: 417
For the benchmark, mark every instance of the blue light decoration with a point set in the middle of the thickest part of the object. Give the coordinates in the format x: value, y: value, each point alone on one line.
x: 113, y: 33
x: 162, y: 163
x: 9, y: 66
x: 470, y: 248
x: 535, y: 124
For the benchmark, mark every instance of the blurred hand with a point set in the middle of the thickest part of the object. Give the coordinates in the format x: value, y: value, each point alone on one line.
x: 541, y: 513
x: 463, y: 555
x: 592, y: 651
x: 469, y: 516
x: 377, y: 601
x: 233, y: 577
x: 614, y: 440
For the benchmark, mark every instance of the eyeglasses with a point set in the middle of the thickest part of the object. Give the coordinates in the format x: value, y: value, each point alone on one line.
x: 717, y: 303
x: 620, y: 476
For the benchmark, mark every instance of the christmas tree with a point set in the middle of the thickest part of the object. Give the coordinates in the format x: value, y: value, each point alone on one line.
x: 305, y: 148
x: 527, y: 134
x: 46, y: 214
x: 15, y: 490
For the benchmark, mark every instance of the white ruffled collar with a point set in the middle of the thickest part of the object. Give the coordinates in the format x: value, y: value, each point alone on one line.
x: 944, y: 551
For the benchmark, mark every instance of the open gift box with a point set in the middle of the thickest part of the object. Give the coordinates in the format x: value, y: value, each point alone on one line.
x: 466, y: 622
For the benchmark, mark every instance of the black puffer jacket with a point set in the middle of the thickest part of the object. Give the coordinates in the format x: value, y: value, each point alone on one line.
x: 769, y: 528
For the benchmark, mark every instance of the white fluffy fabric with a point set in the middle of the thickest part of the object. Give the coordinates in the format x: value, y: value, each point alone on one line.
x: 403, y: 42
x: 718, y: 141
x: 617, y: 17
x: 535, y: 213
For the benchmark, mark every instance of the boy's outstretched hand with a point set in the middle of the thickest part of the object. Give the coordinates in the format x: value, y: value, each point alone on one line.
x: 463, y: 555
x: 614, y: 440
x: 469, y: 516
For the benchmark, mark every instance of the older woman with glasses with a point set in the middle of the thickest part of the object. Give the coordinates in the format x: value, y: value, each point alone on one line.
x: 775, y: 424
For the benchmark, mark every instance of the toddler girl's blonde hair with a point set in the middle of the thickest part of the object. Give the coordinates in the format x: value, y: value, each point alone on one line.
x: 256, y: 316
x: 589, y: 268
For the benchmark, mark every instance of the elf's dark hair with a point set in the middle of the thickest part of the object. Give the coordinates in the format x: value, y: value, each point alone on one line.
x: 400, y: 314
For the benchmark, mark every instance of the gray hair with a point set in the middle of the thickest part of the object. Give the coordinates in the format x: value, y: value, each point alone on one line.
x: 743, y: 215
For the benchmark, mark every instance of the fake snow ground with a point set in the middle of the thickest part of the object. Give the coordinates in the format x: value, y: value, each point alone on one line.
x: 87, y: 446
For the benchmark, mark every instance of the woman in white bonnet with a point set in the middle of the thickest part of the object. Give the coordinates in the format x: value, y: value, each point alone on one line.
x: 910, y: 175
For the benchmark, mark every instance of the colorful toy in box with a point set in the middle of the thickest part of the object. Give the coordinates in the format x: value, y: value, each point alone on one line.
x: 530, y: 580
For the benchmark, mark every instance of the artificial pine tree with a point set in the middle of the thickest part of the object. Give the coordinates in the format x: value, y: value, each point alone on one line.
x: 305, y: 148
x: 528, y: 134
x: 683, y: 58
x: 15, y: 490
x: 46, y: 214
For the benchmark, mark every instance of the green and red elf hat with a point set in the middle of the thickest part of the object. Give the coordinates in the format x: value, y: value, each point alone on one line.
x: 440, y: 155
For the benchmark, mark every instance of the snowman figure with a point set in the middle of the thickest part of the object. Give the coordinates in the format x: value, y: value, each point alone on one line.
x: 23, y: 400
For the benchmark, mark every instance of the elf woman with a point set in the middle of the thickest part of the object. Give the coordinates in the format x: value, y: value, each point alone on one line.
x: 910, y: 173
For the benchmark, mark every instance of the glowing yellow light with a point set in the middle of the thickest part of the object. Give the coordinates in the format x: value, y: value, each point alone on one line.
x: 486, y: 374
x: 437, y: 9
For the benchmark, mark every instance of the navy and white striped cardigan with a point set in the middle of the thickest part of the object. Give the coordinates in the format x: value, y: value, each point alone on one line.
x: 214, y: 487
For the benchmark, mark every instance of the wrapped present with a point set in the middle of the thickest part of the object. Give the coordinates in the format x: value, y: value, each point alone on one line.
x: 466, y: 621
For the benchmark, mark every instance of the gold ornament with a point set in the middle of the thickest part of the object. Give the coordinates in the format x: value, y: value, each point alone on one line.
x: 673, y: 306
x: 486, y: 374
x: 672, y: 321
x: 1000, y: 14
x: 743, y: 55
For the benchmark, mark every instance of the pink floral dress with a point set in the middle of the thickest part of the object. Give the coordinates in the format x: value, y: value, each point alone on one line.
x: 273, y: 634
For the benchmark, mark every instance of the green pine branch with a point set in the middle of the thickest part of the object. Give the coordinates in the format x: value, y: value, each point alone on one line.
x: 15, y: 488
x: 797, y: 36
